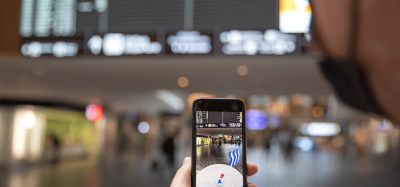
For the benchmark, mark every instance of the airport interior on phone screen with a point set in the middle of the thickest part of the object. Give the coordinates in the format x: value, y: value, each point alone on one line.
x: 98, y: 93
x: 219, y: 146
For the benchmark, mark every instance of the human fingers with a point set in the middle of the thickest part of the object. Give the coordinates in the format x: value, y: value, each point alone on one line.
x: 182, y: 177
x: 249, y: 184
x: 251, y: 169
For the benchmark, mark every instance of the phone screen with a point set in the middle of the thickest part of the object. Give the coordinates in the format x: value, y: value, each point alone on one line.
x: 219, y: 148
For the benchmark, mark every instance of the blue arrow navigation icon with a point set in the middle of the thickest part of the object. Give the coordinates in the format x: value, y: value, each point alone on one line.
x: 231, y: 155
x: 237, y: 156
x: 234, y: 155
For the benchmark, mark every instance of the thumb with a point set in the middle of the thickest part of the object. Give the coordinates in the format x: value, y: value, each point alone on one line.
x: 186, y: 166
x: 182, y: 177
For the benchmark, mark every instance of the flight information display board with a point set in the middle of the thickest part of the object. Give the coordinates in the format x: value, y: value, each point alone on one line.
x: 66, y: 28
x: 236, y: 14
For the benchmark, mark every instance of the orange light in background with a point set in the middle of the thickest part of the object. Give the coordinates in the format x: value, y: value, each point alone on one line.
x: 94, y: 112
x: 281, y: 106
x: 338, y: 142
x: 183, y: 82
x: 318, y: 111
x: 294, y: 16
x: 242, y: 70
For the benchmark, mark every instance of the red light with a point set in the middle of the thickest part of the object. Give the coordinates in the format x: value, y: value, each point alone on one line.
x: 94, y: 112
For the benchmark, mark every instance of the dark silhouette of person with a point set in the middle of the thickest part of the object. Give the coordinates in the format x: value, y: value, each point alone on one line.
x: 169, y: 150
x: 56, y: 152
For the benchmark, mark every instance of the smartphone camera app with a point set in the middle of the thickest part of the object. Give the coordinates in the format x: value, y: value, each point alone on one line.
x: 219, y: 149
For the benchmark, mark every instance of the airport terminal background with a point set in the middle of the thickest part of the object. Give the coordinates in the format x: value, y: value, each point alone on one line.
x: 99, y: 93
x: 219, y: 141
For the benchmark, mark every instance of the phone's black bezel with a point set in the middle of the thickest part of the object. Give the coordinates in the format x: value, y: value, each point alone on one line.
x: 216, y: 104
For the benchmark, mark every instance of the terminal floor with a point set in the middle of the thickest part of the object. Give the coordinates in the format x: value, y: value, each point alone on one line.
x: 212, y: 154
x: 306, y: 169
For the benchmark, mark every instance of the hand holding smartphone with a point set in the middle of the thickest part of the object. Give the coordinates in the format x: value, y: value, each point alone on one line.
x: 219, y: 143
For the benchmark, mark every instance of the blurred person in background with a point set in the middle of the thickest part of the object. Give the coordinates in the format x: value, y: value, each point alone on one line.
x: 361, y: 141
x: 360, y: 43
x: 267, y: 141
x: 169, y: 149
x: 55, y: 148
x: 170, y: 132
x: 286, y: 137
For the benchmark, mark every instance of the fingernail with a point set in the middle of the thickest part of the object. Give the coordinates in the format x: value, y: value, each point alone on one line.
x: 186, y: 160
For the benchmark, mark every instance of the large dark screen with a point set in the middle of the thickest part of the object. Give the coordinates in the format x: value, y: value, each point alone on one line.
x: 64, y: 28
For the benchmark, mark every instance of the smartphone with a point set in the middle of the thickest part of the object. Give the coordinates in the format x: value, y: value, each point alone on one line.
x: 219, y: 143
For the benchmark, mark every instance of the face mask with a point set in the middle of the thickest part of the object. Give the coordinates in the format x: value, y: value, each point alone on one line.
x: 349, y: 81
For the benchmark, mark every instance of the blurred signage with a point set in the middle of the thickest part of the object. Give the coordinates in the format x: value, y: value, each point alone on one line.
x: 320, y: 129
x: 42, y: 18
x: 235, y: 125
x: 189, y: 42
x: 235, y: 14
x: 27, y: 127
x: 256, y: 119
x: 294, y: 16
x: 85, y: 7
x: 117, y: 44
x: 61, y: 18
x: 48, y: 18
x: 234, y: 42
x: 306, y: 39
x: 271, y: 42
x: 101, y: 5
x: 94, y: 112
x: 58, y: 49
x: 101, y: 27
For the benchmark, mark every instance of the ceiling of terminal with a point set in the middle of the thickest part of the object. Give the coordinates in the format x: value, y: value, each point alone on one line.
x: 131, y: 81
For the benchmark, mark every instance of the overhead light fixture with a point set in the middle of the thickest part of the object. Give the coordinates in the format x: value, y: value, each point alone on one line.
x: 171, y: 99
x: 318, y: 111
x: 143, y: 127
x: 183, y: 82
x: 320, y: 129
x: 242, y: 70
